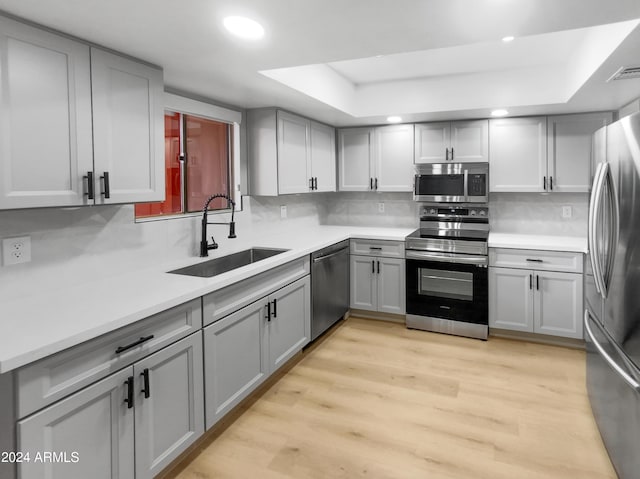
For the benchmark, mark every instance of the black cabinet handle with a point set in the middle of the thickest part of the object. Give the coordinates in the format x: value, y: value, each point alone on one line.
x: 378, y: 266
x: 544, y: 182
x: 452, y: 153
x: 105, y: 179
x: 145, y: 378
x: 275, y: 308
x: 530, y: 260
x: 551, y: 183
x: 537, y: 282
x: 373, y: 266
x: 446, y: 154
x: 311, y: 184
x: 376, y: 184
x: 375, y: 248
x: 144, y: 339
x: 315, y: 183
x: 530, y: 281
x: 371, y: 183
x: 129, y: 399
x: 90, y: 194
x: 268, y: 316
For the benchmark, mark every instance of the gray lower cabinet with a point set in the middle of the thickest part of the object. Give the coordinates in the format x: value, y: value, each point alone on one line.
x: 158, y: 401
x: 93, y: 427
x: 242, y: 349
x: 378, y: 284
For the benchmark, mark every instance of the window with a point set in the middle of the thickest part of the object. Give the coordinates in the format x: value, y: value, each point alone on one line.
x: 200, y: 159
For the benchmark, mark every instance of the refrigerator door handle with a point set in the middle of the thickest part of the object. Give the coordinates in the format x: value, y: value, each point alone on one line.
x: 594, y: 208
x: 615, y: 366
x: 615, y: 227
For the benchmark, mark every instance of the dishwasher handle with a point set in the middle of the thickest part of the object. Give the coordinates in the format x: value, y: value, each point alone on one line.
x: 330, y: 255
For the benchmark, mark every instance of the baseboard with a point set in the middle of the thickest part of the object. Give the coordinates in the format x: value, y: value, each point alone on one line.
x: 363, y: 314
x: 537, y: 338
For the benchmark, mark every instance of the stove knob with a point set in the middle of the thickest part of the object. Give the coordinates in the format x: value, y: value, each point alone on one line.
x: 433, y: 211
x: 483, y: 213
x: 473, y: 213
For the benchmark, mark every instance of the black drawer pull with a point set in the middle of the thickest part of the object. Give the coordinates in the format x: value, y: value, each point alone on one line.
x: 107, y: 190
x: 537, y: 282
x: 145, y: 388
x: 377, y: 248
x: 129, y: 399
x: 373, y: 266
x: 134, y: 344
x: 530, y: 281
x: 275, y: 308
x: 89, y: 194
x: 534, y: 260
x: 378, y: 266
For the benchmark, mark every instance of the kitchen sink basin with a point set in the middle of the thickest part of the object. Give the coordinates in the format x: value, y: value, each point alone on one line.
x: 230, y: 262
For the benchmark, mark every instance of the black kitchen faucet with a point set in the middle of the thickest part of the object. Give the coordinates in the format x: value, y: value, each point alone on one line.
x: 204, y: 244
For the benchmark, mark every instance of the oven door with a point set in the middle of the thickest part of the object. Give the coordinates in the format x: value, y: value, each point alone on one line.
x: 447, y: 286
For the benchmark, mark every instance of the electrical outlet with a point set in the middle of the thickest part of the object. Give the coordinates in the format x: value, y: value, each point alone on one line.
x: 380, y: 207
x: 16, y: 250
x: 566, y: 211
x: 283, y: 211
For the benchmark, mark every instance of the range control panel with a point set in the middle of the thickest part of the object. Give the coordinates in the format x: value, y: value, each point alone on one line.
x: 436, y: 211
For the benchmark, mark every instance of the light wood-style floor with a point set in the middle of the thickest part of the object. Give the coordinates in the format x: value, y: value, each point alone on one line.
x: 377, y: 400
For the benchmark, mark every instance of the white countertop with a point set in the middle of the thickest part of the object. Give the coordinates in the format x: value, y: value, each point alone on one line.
x: 53, y: 321
x: 574, y: 244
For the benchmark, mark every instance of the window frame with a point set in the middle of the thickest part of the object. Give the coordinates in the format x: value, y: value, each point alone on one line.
x: 174, y: 103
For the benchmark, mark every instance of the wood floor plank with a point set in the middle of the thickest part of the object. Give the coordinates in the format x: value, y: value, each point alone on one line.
x: 377, y: 400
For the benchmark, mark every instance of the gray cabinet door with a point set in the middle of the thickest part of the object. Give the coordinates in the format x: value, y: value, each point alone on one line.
x: 45, y: 111
x: 391, y: 285
x: 558, y: 304
x: 128, y: 128
x: 288, y: 329
x: 363, y: 283
x: 235, y: 359
x: 355, y: 152
x: 511, y: 299
x: 169, y: 404
x: 94, y: 423
x: 432, y: 142
x: 293, y: 153
x: 394, y: 167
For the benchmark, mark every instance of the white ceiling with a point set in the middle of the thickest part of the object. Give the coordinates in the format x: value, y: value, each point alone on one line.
x: 450, y: 48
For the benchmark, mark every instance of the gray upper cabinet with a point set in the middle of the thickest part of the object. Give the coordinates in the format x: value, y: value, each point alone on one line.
x: 456, y: 141
x: 128, y: 129
x: 70, y: 114
x: 289, y: 154
x: 94, y: 423
x: 45, y: 107
x: 376, y: 159
x: 543, y: 154
x: 169, y: 408
x: 569, y: 142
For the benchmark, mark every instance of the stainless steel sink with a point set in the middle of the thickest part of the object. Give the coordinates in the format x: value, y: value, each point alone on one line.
x: 227, y: 263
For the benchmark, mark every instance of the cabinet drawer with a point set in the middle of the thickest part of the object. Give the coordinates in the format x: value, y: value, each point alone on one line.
x: 371, y: 247
x: 221, y: 303
x: 535, y: 259
x: 61, y: 374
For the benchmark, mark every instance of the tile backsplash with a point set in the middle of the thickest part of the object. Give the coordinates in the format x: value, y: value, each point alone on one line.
x: 70, y: 245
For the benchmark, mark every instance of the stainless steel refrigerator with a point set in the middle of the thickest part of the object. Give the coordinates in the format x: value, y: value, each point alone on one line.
x: 612, y: 293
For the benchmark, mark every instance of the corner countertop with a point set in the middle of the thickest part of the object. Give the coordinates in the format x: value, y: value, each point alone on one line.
x: 52, y: 321
x: 575, y: 244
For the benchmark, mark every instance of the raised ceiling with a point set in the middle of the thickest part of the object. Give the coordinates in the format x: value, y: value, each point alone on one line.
x: 357, y: 61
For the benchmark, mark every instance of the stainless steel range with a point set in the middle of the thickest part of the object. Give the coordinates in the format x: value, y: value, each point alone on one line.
x: 446, y: 267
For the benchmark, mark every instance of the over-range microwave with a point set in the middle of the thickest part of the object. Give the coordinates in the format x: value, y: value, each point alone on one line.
x: 452, y: 183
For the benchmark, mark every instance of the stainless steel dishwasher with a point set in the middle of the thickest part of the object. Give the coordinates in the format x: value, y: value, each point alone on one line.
x: 329, y: 286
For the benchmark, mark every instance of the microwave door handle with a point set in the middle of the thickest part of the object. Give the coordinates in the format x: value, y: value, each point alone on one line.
x: 466, y: 185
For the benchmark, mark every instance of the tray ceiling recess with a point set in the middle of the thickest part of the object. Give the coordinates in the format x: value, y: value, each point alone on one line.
x: 532, y: 70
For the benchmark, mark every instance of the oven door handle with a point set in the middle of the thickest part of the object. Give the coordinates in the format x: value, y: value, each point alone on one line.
x: 447, y: 257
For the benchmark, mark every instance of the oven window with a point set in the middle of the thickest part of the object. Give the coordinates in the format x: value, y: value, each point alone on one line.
x: 445, y: 284
x: 440, y: 185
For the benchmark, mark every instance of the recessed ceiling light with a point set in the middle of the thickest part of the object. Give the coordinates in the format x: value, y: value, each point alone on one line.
x: 394, y: 119
x: 244, y: 27
x: 499, y: 112
x: 508, y: 39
